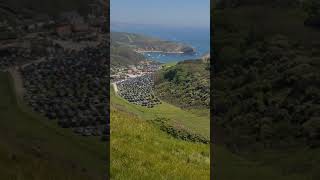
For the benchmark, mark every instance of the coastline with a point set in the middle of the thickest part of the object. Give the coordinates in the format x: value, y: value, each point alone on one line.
x: 154, y: 51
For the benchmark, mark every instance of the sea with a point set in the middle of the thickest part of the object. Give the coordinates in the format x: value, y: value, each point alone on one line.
x: 196, y: 37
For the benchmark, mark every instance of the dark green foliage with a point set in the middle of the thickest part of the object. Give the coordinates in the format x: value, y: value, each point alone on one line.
x: 230, y: 54
x: 266, y: 102
x: 265, y: 97
x: 185, y: 84
x: 178, y: 132
x: 267, y: 77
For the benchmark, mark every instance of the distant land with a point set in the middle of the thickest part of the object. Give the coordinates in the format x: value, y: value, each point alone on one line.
x: 196, y: 37
x: 130, y: 48
x: 177, y: 125
x: 142, y: 44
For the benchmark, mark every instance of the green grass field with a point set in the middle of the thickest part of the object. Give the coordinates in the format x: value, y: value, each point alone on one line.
x: 169, y: 64
x: 35, y: 148
x: 187, y: 119
x: 139, y: 150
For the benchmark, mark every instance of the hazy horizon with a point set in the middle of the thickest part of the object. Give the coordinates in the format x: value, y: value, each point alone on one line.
x: 177, y: 13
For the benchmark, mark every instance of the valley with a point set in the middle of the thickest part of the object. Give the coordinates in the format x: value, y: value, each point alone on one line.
x: 170, y: 141
x: 152, y: 126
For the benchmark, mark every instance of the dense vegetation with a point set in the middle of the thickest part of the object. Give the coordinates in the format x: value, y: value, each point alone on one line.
x: 267, y: 77
x: 185, y: 84
x: 266, y: 88
x: 270, y: 96
x: 178, y: 132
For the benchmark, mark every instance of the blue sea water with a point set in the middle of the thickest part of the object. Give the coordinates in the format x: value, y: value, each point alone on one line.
x: 198, y: 38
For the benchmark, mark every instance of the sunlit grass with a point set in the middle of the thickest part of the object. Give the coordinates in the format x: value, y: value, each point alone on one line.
x: 139, y: 150
x: 188, y: 119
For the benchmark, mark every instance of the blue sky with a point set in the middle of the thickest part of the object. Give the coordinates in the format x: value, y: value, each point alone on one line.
x: 191, y: 13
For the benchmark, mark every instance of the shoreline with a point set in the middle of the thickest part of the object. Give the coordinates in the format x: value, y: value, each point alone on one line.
x: 164, y: 52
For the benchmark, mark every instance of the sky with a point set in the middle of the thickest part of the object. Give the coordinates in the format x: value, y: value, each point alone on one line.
x: 189, y: 13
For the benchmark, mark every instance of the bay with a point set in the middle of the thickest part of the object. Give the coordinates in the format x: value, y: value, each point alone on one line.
x: 196, y: 37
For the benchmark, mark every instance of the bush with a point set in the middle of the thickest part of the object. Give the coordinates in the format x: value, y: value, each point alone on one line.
x: 178, y: 132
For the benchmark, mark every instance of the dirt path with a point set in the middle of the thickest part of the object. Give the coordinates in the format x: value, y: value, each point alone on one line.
x: 17, y: 80
x: 115, y: 88
x: 17, y: 77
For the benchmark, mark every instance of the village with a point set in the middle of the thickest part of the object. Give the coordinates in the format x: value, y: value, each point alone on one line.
x: 131, y: 71
x: 135, y: 83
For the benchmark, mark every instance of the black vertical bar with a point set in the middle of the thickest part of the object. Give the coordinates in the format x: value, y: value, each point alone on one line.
x: 106, y: 26
x: 211, y: 93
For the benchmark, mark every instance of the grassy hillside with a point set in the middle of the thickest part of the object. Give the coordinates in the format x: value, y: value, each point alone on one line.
x: 140, y: 150
x: 186, y: 84
x: 34, y: 148
x: 149, y: 152
x: 123, y: 56
x: 178, y: 117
